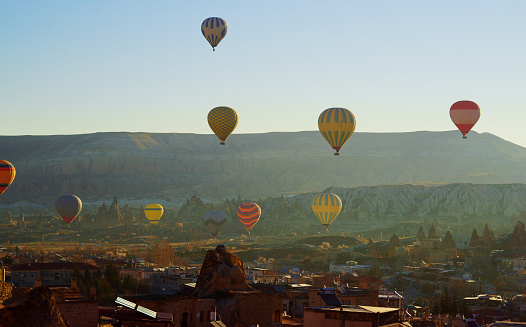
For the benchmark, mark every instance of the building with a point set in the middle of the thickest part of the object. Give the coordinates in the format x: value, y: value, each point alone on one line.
x: 187, y: 311
x: 347, y: 296
x: 349, y: 269
x: 50, y: 273
x: 258, y: 308
x: 171, y: 284
x: 483, y: 302
x: 355, y: 316
x: 260, y: 275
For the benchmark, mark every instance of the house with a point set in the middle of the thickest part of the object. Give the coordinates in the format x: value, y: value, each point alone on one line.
x: 362, y: 316
x: 347, y: 296
x: 50, y: 273
x: 260, y: 275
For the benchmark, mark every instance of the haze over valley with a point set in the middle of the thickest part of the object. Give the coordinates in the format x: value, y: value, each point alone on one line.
x: 171, y: 167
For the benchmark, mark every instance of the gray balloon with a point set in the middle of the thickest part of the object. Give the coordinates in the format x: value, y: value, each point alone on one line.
x: 214, y: 221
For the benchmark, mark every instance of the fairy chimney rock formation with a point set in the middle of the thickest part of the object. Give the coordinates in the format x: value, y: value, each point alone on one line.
x: 432, y: 232
x: 222, y: 271
x: 421, y: 233
x: 488, y: 237
x: 475, y: 238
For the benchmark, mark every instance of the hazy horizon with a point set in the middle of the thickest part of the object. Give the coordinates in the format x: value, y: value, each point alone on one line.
x: 101, y: 67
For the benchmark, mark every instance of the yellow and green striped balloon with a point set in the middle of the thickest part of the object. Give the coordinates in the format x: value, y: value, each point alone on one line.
x: 153, y: 213
x: 222, y: 121
x: 326, y: 207
x: 336, y: 125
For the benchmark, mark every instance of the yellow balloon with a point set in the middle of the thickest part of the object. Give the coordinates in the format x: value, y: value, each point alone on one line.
x: 336, y: 125
x: 153, y: 213
x: 326, y: 207
x: 222, y: 121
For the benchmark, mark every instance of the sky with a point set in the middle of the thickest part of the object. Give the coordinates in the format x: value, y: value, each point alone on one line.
x: 73, y: 67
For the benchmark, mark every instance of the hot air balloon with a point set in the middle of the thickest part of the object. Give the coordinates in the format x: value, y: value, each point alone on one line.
x: 7, y: 175
x: 153, y: 213
x: 464, y: 115
x: 248, y: 214
x: 336, y: 125
x: 68, y: 207
x: 214, y: 30
x: 214, y: 221
x: 326, y: 207
x: 222, y: 121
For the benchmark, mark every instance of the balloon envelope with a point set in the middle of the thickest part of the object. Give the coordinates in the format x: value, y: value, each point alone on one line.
x: 153, y: 213
x: 336, y: 125
x: 327, y: 207
x: 222, y: 121
x: 7, y: 175
x: 214, y: 30
x: 215, y: 221
x: 68, y: 207
x: 248, y: 214
x: 464, y: 115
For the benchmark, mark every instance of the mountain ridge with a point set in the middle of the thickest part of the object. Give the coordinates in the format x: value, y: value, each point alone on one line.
x: 172, y: 166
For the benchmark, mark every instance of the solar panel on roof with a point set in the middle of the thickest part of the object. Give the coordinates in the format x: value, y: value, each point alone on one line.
x: 331, y: 300
x: 147, y: 311
x: 126, y: 303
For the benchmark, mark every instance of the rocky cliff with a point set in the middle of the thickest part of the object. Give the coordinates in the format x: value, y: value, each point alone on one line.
x: 172, y: 167
x: 37, y: 309
x: 221, y: 272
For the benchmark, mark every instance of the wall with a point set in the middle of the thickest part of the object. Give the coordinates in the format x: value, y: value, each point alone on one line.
x: 190, y: 308
x: 317, y: 319
x: 80, y: 313
x: 5, y: 291
x: 259, y: 308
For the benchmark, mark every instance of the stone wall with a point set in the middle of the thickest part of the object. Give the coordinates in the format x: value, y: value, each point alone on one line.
x: 5, y: 291
x: 80, y: 313
x: 195, y: 311
x: 259, y: 308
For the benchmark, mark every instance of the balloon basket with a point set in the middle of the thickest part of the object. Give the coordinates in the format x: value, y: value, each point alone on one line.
x: 336, y: 153
x: 222, y: 143
x: 464, y: 137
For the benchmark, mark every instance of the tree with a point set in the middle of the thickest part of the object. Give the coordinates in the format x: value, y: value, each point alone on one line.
x: 428, y: 289
x: 376, y: 272
x: 111, y: 274
x: 464, y: 309
x: 162, y: 254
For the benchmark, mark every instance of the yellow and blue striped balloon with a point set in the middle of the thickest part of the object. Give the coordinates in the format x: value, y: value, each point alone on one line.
x: 214, y: 30
x: 326, y: 207
x: 222, y: 121
x: 336, y: 125
x: 153, y: 213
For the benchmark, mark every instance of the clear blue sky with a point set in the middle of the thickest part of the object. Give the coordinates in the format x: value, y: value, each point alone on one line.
x: 69, y: 67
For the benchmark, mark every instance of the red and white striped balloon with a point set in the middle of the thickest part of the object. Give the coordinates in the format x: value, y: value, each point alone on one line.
x: 464, y: 115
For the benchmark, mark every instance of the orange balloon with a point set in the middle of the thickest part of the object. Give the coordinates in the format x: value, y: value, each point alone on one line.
x: 7, y: 175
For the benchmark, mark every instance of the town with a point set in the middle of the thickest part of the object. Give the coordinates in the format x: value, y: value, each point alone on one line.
x: 422, y: 280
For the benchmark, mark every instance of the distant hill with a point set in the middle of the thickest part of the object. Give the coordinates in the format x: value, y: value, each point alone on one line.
x: 170, y: 167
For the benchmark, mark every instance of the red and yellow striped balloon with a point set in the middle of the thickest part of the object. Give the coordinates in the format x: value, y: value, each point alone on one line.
x: 248, y: 214
x: 7, y: 175
x: 464, y: 115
